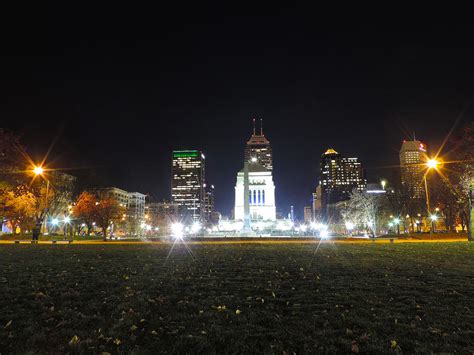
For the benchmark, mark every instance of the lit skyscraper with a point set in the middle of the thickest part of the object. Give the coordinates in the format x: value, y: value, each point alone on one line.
x: 412, y: 164
x: 339, y: 177
x: 208, y: 202
x: 187, y: 185
x: 259, y: 147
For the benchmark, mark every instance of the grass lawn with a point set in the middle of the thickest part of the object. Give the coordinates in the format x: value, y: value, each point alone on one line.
x: 245, y: 298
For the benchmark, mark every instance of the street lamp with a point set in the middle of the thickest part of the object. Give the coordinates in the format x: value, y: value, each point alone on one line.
x: 431, y: 164
x: 39, y: 170
x: 383, y: 183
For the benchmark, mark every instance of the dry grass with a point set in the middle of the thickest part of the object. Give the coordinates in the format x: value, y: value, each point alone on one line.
x: 249, y: 298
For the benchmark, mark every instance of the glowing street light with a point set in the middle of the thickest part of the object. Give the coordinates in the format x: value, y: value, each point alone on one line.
x: 324, y: 234
x: 67, y: 219
x: 177, y: 230
x: 38, y: 170
x: 383, y: 183
x: 432, y: 163
x: 196, y: 227
x: 54, y: 221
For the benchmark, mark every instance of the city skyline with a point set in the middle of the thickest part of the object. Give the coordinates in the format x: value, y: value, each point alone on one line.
x: 392, y: 172
x: 116, y: 108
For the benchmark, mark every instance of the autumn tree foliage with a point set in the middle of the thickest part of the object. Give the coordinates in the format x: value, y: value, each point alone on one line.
x: 89, y: 210
x: 19, y: 207
x: 106, y: 212
x: 85, y: 209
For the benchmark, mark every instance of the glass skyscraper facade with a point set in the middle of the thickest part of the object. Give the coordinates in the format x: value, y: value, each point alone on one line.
x: 339, y: 177
x: 188, y: 183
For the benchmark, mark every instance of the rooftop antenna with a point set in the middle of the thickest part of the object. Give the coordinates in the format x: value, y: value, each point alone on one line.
x: 261, y: 126
x: 414, y: 137
x: 254, y: 126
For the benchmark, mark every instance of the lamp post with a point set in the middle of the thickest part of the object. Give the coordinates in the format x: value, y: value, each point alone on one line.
x: 471, y: 212
x: 431, y: 164
x: 39, y: 170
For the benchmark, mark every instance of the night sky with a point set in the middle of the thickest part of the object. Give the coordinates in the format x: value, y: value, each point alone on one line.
x: 120, y: 89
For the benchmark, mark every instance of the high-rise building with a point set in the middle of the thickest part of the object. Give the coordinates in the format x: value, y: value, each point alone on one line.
x: 208, y: 201
x: 308, y: 214
x: 258, y: 148
x: 412, y: 164
x: 339, y: 177
x: 187, y: 183
x: 316, y: 205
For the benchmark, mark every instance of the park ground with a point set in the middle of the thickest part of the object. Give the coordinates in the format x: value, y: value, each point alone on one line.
x: 237, y: 298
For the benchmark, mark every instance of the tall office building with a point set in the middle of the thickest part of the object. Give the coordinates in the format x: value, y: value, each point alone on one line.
x: 258, y: 147
x: 339, y: 177
x: 412, y: 164
x: 187, y: 183
x: 208, y: 202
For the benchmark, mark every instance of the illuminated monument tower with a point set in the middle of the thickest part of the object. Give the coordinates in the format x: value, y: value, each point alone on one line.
x: 254, y: 190
x: 259, y: 147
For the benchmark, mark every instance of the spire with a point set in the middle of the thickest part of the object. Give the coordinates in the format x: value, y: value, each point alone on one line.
x: 254, y: 126
x: 261, y: 126
x: 414, y: 137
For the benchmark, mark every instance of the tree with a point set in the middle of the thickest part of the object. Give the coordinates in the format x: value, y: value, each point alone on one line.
x: 107, y: 211
x: 363, y: 210
x: 85, y: 209
x: 19, y: 207
x: 460, y: 175
x: 12, y: 161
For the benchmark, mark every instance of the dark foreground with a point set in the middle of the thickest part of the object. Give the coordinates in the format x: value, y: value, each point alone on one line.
x: 245, y: 298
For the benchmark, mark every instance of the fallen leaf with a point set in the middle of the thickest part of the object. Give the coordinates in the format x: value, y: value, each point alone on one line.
x: 237, y: 311
x: 74, y: 340
x: 8, y: 324
x: 393, y: 344
x: 354, y: 347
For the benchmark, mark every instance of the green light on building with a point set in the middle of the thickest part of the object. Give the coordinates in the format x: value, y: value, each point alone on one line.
x: 185, y: 154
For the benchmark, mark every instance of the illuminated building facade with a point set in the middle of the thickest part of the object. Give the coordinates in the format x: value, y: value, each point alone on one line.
x: 134, y: 202
x: 161, y: 214
x: 208, y: 202
x: 259, y: 147
x: 339, y: 177
x: 412, y: 165
x: 136, y: 205
x: 187, y: 183
x: 261, y: 193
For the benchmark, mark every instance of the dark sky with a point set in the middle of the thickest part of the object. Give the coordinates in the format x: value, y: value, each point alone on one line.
x: 121, y: 88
